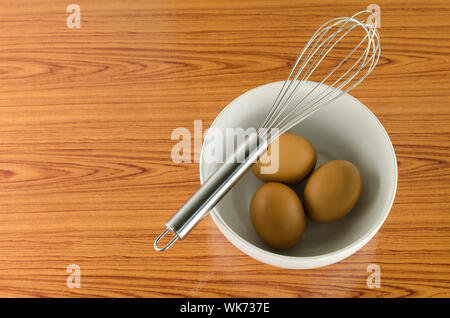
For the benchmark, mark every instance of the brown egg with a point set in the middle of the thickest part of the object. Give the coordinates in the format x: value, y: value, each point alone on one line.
x: 332, y: 191
x: 277, y: 215
x: 297, y: 158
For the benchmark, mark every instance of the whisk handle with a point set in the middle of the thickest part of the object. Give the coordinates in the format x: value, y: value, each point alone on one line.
x: 214, y: 188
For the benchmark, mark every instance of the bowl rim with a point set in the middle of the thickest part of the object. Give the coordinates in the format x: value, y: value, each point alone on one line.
x: 300, y: 262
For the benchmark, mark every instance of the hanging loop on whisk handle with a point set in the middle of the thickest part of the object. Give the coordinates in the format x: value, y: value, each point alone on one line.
x: 214, y: 188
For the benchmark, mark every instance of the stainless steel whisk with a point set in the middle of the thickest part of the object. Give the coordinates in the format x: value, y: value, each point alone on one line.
x: 357, y: 63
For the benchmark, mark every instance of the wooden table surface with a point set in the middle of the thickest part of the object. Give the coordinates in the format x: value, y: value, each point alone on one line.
x: 86, y: 117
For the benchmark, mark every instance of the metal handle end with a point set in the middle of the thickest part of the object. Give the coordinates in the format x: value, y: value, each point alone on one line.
x: 160, y: 249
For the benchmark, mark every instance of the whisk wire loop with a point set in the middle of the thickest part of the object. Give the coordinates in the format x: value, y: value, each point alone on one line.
x: 284, y: 113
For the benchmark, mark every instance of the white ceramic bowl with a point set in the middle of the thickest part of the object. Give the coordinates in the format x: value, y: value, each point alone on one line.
x: 345, y: 129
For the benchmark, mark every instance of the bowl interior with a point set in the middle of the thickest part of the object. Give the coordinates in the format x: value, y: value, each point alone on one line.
x: 344, y: 129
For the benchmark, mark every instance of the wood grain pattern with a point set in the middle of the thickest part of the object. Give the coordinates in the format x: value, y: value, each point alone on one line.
x: 86, y: 117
